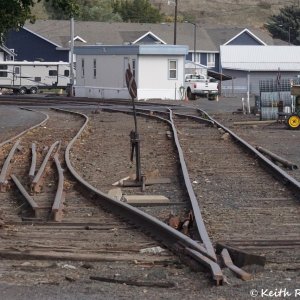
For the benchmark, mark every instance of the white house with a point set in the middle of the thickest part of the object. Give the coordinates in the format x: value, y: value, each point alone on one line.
x: 158, y: 70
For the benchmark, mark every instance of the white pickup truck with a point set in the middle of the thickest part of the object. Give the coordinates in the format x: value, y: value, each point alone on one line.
x: 199, y: 85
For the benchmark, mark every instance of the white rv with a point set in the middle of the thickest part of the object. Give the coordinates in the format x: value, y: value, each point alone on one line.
x: 27, y: 77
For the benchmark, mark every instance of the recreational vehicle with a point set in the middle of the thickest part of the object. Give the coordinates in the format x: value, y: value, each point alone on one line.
x: 27, y: 77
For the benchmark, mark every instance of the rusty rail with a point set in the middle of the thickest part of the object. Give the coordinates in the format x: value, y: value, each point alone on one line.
x: 196, y: 209
x: 36, y: 182
x: 59, y: 197
x: 229, y: 264
x: 277, y: 158
x: 28, y: 198
x: 33, y: 161
x: 6, y: 165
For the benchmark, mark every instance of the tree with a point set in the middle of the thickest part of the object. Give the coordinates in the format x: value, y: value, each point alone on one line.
x: 89, y: 10
x: 286, y: 24
x: 137, y: 11
x: 14, y: 13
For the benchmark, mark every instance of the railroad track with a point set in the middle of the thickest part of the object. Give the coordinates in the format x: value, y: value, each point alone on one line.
x: 196, y: 253
x: 76, y: 239
x: 231, y: 185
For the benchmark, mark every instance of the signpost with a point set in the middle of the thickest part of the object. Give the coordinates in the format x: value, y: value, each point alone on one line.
x: 134, y: 136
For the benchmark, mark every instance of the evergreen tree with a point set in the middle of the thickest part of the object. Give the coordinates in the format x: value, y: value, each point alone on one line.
x: 286, y: 24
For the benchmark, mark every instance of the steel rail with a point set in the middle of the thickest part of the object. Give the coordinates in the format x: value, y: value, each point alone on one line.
x: 286, y: 178
x: 171, y: 238
x: 196, y: 209
x: 29, y: 129
x: 82, y: 100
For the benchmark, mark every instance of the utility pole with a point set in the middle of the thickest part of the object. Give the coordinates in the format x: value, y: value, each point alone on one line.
x: 72, y: 55
x: 175, y: 22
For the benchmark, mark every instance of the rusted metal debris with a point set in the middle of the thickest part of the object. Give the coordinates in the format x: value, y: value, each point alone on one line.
x: 183, y: 225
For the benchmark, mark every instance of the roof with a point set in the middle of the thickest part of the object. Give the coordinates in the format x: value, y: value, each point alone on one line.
x: 207, y: 39
x: 221, y: 36
x: 247, y: 31
x: 261, y: 58
x: 131, y: 50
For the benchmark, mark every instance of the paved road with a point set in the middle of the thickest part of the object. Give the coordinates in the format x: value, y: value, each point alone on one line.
x: 14, y: 120
x: 224, y: 104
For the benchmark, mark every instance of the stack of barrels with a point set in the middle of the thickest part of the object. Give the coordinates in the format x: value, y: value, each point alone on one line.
x: 275, y: 97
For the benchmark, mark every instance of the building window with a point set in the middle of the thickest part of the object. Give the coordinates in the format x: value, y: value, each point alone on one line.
x: 52, y: 72
x: 82, y: 67
x: 211, y: 59
x: 3, y: 73
x: 133, y: 68
x: 95, y: 67
x: 172, y: 69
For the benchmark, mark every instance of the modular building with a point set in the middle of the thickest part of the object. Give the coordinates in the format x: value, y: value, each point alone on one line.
x: 158, y: 70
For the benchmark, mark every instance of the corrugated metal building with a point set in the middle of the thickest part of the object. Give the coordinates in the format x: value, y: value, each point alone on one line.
x: 249, y: 64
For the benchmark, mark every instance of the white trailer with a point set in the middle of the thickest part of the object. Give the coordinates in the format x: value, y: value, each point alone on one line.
x: 27, y: 77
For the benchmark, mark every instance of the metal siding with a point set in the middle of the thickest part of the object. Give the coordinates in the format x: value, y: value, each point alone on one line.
x: 110, y: 71
x: 240, y: 80
x: 245, y: 39
x: 261, y: 58
x: 30, y: 47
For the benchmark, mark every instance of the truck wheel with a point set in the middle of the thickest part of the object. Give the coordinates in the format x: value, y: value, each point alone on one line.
x: 190, y: 95
x: 22, y: 90
x: 33, y: 90
x: 212, y: 97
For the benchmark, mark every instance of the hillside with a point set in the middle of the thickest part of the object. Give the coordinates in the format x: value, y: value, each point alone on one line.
x: 243, y: 13
x: 226, y: 12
